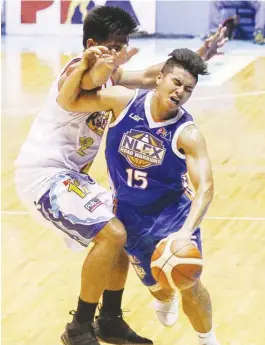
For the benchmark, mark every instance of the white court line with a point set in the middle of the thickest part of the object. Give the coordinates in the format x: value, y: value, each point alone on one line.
x: 21, y: 213
x: 262, y: 219
x: 16, y: 112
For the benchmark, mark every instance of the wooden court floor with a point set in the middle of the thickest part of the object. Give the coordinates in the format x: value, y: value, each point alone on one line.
x: 40, y: 277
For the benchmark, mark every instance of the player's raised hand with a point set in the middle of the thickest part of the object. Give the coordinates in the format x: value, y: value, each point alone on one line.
x: 114, y: 59
x: 91, y: 55
x: 212, y: 44
x: 123, y: 56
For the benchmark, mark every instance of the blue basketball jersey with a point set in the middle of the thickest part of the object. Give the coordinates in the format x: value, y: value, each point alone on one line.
x: 142, y: 156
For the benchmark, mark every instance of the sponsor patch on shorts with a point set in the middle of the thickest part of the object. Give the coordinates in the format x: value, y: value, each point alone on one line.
x: 93, y: 204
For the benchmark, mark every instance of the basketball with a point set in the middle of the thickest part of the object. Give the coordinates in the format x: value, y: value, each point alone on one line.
x: 176, y: 264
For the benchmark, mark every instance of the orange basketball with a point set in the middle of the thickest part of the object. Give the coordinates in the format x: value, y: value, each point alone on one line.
x: 176, y: 264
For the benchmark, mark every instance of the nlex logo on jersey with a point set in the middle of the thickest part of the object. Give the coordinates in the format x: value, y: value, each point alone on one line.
x: 142, y: 149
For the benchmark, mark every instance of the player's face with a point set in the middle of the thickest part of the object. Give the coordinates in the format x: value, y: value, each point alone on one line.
x: 175, y: 88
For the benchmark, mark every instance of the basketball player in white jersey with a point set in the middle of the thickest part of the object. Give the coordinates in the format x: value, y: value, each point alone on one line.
x: 52, y: 180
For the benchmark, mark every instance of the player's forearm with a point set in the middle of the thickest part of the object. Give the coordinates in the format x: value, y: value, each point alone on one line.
x: 98, y: 75
x: 199, y: 207
x: 149, y: 79
x: 70, y: 90
x: 145, y: 79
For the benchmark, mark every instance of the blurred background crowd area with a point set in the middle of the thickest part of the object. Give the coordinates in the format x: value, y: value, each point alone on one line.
x: 245, y: 20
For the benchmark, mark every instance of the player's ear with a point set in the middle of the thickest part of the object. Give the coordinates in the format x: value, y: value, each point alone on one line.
x: 90, y: 43
x: 159, y: 78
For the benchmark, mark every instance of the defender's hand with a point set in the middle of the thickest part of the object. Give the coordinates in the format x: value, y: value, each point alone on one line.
x: 114, y: 59
x: 212, y: 44
x: 91, y: 55
x: 124, y: 55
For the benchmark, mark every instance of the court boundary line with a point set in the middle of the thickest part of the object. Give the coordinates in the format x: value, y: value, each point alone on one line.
x: 21, y: 213
x: 34, y: 111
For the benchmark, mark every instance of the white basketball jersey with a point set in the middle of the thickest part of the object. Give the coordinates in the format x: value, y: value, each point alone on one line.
x: 59, y: 140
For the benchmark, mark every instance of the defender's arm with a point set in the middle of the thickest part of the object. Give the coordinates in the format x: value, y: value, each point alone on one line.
x: 146, y: 79
x: 71, y: 97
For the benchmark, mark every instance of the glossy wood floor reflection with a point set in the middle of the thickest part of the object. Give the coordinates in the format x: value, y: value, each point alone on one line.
x: 40, y: 277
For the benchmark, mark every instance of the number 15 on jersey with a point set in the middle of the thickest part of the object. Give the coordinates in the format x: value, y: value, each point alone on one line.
x: 137, y: 178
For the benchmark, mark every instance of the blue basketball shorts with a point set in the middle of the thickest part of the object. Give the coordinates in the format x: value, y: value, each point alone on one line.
x: 148, y: 225
x: 76, y: 205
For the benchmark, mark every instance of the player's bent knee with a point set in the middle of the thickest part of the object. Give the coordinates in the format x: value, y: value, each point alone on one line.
x: 113, y: 232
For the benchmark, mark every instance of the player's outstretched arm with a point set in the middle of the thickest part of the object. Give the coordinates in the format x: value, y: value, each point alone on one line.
x: 211, y: 45
x: 71, y: 98
x: 200, y: 173
x: 146, y: 79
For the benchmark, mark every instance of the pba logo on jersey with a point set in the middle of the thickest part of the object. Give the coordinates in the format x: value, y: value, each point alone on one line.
x: 93, y: 204
x: 97, y: 122
x: 164, y: 133
x: 142, y: 149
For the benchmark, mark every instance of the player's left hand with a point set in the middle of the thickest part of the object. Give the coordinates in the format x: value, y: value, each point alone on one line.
x: 212, y: 44
x: 182, y: 235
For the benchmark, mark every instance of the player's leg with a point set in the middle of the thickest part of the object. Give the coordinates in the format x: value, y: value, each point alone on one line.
x: 110, y: 325
x: 197, y: 306
x: 75, y: 204
x: 112, y: 296
x: 100, y: 261
x: 165, y: 304
x: 79, y: 207
x: 94, y: 276
x: 196, y: 300
x: 140, y: 248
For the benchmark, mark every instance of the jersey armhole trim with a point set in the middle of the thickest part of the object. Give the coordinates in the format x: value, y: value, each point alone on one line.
x: 175, y: 139
x: 124, y: 112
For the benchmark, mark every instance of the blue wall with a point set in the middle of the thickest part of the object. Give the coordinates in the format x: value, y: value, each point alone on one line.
x: 182, y: 17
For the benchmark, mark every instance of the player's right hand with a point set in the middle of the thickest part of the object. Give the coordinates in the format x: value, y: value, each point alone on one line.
x: 124, y: 55
x: 91, y: 55
x: 113, y: 59
x: 212, y: 44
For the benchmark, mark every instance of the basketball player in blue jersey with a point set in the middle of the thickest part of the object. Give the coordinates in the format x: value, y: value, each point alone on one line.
x: 151, y: 146
x: 110, y: 26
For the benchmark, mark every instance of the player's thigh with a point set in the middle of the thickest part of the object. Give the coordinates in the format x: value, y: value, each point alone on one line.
x: 76, y: 205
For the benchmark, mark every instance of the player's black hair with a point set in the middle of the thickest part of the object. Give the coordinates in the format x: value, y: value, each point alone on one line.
x: 105, y: 23
x: 188, y: 60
